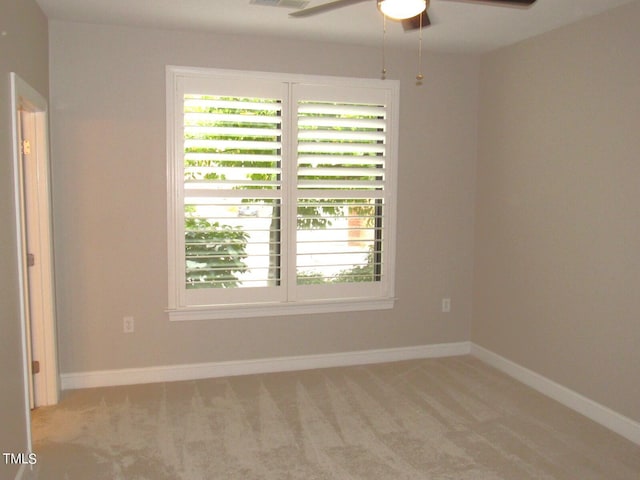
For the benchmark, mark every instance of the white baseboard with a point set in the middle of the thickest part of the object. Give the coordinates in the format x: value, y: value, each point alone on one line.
x: 610, y: 419
x: 172, y: 373
x: 606, y: 417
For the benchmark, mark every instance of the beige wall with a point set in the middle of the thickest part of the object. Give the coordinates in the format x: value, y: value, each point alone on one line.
x: 108, y: 129
x: 23, y: 49
x: 557, y: 258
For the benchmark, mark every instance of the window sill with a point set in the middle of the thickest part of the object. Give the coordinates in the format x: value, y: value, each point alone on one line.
x: 214, y: 312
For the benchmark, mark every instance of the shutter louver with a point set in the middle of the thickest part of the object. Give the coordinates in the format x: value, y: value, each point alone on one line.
x: 232, y: 197
x: 341, y: 189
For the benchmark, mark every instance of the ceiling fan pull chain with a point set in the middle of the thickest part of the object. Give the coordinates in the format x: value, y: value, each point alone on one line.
x: 384, y: 41
x: 420, y: 76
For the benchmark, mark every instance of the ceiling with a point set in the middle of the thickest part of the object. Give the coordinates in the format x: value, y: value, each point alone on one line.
x: 457, y: 26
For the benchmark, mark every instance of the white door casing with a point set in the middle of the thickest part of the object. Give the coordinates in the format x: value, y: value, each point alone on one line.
x: 34, y: 231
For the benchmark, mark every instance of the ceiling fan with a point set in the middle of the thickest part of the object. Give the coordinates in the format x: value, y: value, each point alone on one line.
x: 411, y: 19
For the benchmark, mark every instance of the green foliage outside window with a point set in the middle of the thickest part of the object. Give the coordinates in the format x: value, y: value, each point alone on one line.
x: 215, y: 253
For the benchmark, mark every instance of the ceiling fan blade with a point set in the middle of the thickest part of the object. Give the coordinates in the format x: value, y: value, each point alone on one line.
x: 506, y: 3
x: 514, y: 2
x: 326, y: 7
x: 413, y: 23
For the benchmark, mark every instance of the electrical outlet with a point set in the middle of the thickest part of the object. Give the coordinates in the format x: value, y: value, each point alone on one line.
x: 128, y: 325
x: 446, y: 305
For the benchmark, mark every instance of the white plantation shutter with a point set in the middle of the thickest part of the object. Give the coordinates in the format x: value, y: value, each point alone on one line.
x: 231, y: 157
x: 232, y: 188
x: 281, y: 193
x: 342, y: 191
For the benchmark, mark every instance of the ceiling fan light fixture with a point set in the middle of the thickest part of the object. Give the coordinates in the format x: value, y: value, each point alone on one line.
x: 401, y: 9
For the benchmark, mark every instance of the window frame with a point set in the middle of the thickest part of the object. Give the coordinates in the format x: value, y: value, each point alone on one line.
x: 178, y: 309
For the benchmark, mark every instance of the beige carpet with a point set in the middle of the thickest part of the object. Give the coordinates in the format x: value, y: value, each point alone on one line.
x: 451, y: 418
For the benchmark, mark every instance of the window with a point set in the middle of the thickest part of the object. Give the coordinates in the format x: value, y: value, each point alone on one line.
x: 281, y: 193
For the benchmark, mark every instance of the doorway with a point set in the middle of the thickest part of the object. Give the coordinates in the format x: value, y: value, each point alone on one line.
x: 32, y: 187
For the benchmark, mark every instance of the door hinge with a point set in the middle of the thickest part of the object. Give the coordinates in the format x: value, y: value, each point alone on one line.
x: 26, y: 147
x: 35, y: 367
x: 31, y: 259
